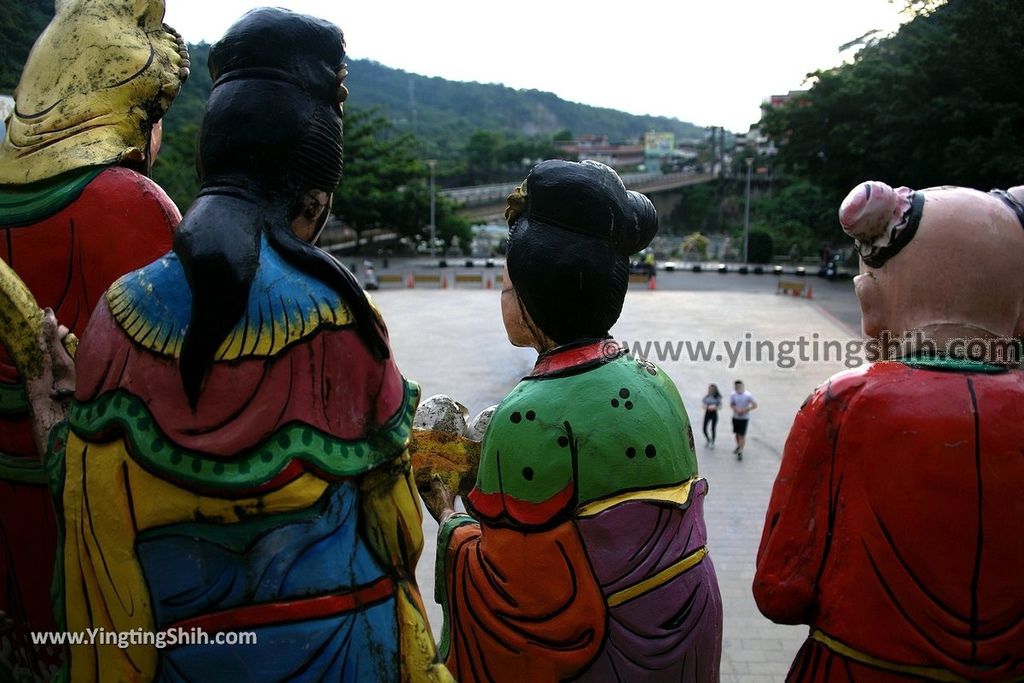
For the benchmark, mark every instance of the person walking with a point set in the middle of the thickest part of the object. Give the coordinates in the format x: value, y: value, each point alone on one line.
x: 712, y: 402
x: 742, y: 403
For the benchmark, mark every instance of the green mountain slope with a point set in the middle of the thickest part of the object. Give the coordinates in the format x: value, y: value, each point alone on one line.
x: 441, y: 114
x: 21, y: 22
x: 437, y: 110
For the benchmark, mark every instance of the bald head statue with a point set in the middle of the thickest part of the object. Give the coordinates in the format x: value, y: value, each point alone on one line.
x: 944, y: 261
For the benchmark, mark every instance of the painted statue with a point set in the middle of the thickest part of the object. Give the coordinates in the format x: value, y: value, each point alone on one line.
x: 584, y: 554
x: 235, y: 458
x: 77, y: 211
x: 894, y: 526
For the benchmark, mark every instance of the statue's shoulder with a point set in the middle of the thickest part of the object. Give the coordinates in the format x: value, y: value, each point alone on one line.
x: 126, y: 188
x: 153, y: 305
x: 843, y: 387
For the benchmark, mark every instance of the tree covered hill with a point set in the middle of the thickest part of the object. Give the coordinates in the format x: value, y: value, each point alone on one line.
x: 21, y: 22
x: 442, y: 114
x: 445, y: 113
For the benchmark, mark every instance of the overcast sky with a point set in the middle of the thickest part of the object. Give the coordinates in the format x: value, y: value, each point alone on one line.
x: 710, y: 62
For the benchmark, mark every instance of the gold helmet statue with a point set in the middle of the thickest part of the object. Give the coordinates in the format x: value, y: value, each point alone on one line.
x: 97, y: 79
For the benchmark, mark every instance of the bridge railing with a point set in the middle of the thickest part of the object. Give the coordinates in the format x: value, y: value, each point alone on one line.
x: 482, y: 195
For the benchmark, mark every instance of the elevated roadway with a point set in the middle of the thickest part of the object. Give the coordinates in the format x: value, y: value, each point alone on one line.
x: 488, y: 201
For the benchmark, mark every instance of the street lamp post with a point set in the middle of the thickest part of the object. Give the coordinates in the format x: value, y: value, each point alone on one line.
x: 746, y: 217
x: 433, y: 226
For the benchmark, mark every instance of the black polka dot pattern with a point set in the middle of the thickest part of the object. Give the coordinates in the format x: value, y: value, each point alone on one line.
x: 624, y: 402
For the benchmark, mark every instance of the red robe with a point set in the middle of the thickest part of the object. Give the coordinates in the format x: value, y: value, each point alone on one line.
x: 120, y: 221
x: 894, y: 527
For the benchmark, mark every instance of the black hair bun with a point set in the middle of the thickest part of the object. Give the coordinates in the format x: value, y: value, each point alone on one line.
x: 588, y: 198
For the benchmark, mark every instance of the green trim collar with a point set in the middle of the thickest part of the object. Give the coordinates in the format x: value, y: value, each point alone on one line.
x: 119, y: 412
x: 954, y: 364
x: 26, y: 204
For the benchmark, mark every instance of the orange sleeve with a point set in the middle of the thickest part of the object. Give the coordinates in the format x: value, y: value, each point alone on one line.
x: 520, y: 606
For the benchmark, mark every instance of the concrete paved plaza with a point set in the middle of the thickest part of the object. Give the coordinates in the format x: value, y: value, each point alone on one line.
x: 452, y: 341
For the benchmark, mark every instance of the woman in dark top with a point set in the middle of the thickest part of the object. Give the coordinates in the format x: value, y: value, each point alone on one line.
x: 712, y: 402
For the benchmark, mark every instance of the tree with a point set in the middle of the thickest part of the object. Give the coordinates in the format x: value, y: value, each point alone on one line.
x: 940, y: 102
x: 760, y: 246
x: 918, y: 7
x: 482, y: 154
x: 802, y: 204
x: 695, y: 244
x: 696, y: 211
x: 384, y: 185
x: 20, y: 24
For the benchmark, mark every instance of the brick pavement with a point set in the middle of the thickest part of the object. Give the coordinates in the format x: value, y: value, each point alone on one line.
x: 453, y: 342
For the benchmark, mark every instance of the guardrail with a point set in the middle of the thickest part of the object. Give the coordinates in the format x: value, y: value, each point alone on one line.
x: 478, y: 195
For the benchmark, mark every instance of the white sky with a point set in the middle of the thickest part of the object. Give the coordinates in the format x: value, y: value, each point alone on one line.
x: 710, y: 62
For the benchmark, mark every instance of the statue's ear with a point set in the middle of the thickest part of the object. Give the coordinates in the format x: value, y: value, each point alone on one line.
x: 313, y: 203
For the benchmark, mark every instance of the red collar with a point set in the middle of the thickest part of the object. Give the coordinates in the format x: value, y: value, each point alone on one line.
x: 575, y: 354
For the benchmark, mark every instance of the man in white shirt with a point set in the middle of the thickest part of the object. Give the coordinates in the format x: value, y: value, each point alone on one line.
x: 742, y: 402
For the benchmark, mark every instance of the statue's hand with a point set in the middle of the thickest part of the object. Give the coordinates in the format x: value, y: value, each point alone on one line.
x: 444, y: 446
x: 440, y: 501
x: 50, y: 392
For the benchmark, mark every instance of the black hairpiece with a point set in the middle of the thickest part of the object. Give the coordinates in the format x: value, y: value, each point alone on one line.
x: 570, y: 238
x: 271, y: 133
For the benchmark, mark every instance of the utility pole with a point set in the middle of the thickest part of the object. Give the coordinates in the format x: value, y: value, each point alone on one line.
x: 712, y: 157
x: 721, y: 150
x: 746, y: 217
x: 433, y: 227
x: 716, y: 154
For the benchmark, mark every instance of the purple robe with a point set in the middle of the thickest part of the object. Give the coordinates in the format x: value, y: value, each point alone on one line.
x: 660, y: 635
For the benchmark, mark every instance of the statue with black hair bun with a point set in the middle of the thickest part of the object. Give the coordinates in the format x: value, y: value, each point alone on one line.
x: 236, y: 456
x: 583, y: 555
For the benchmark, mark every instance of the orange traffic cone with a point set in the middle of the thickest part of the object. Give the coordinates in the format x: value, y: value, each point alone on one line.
x: 794, y: 292
x: 488, y: 284
x: 444, y: 282
x: 652, y: 283
x: 810, y: 292
x: 410, y: 282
